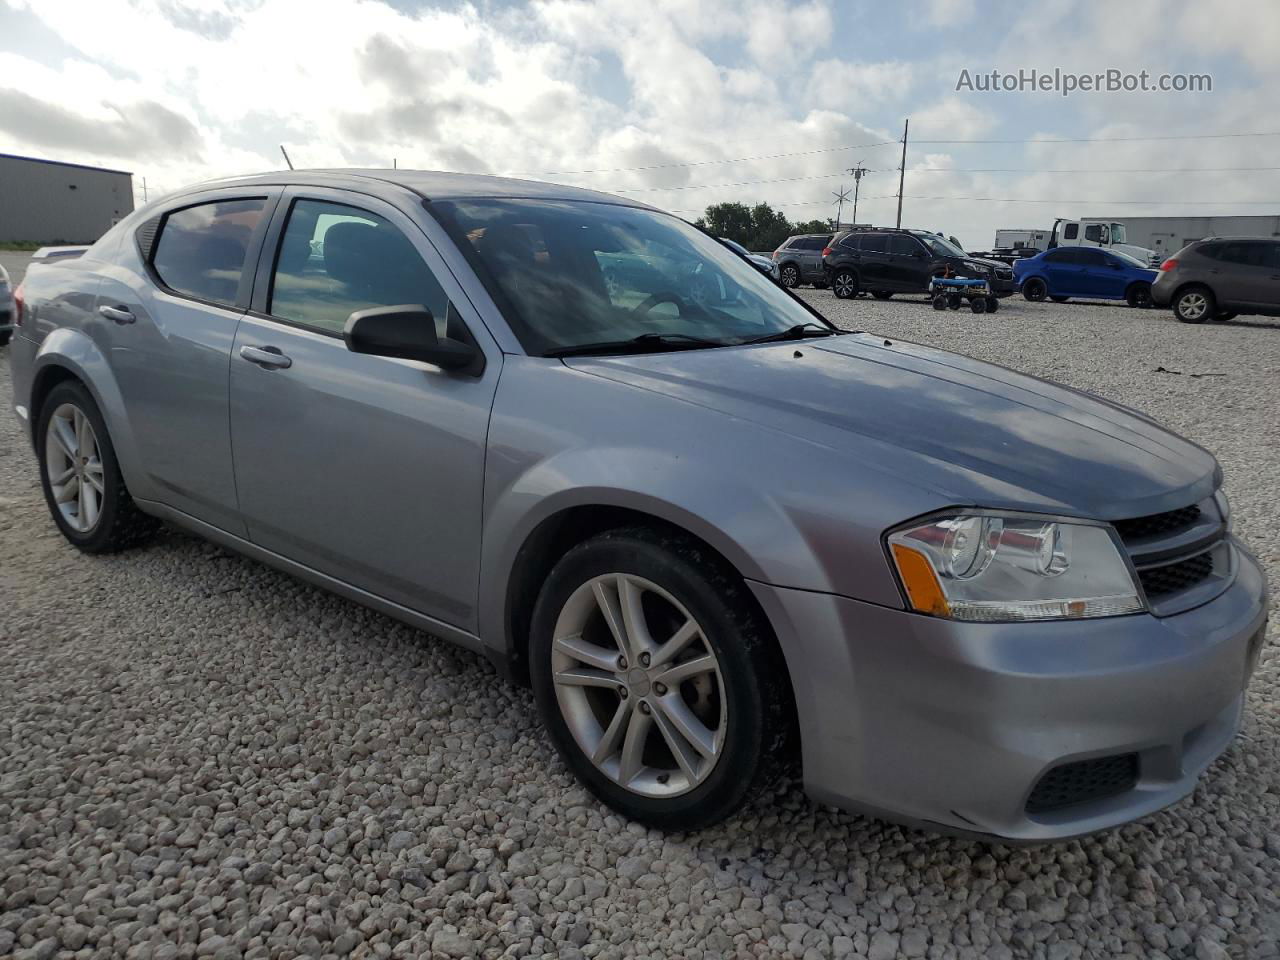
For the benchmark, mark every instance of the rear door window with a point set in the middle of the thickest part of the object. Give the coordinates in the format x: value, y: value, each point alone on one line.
x: 902, y: 246
x: 202, y: 249
x: 874, y: 243
x: 1246, y: 254
x: 1092, y: 258
x: 335, y: 259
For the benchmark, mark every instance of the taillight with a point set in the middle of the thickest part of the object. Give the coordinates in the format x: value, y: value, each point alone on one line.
x: 18, y: 303
x: 1170, y: 264
x: 826, y: 251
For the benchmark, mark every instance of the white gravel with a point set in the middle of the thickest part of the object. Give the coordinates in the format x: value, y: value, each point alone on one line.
x: 200, y: 757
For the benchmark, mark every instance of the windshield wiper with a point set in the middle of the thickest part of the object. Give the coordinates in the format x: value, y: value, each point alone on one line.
x: 645, y: 343
x: 799, y: 332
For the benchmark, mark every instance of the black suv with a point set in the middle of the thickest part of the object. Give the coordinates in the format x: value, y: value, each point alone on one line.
x: 884, y: 261
x: 799, y: 259
x: 1220, y: 277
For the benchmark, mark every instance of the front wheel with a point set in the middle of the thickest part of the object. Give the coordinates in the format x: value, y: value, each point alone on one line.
x: 659, y: 682
x: 844, y: 284
x: 790, y: 276
x: 1194, y: 305
x: 1035, y: 290
x: 81, y: 477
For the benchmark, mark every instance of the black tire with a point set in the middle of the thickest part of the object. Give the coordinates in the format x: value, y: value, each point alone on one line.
x: 978, y: 304
x: 1034, y: 289
x: 844, y: 283
x: 940, y: 302
x: 759, y: 740
x: 1194, y: 304
x: 5, y: 336
x: 882, y: 294
x: 1138, y: 295
x: 120, y: 523
x: 993, y: 304
x: 789, y: 276
x: 1059, y: 299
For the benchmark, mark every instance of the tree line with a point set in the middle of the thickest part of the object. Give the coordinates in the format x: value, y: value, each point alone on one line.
x: 758, y: 228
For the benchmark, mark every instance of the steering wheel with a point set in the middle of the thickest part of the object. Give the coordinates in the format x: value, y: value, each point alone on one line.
x: 662, y: 296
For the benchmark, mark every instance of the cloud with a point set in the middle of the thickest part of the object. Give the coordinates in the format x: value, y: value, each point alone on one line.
x: 134, y: 131
x: 859, y: 85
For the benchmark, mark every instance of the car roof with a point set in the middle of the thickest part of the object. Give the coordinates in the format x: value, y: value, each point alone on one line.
x: 429, y: 184
x: 1215, y: 239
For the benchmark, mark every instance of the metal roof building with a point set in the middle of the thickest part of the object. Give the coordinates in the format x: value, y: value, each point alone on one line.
x: 45, y: 201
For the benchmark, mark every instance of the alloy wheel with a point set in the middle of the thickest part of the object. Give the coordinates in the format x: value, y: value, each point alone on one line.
x: 844, y: 285
x: 790, y: 277
x: 1193, y: 306
x: 639, y: 685
x: 73, y: 463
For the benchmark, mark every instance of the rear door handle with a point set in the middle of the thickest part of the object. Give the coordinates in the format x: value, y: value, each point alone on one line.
x: 121, y: 315
x: 269, y: 357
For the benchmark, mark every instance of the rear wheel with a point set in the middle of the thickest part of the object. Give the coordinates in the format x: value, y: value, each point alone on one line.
x: 1194, y: 305
x: 659, y: 682
x: 81, y: 477
x: 1138, y: 295
x: 940, y: 302
x: 844, y: 284
x: 978, y: 304
x: 790, y: 276
x: 1034, y: 289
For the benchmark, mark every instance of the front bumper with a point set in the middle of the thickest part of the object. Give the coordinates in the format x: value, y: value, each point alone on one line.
x: 1002, y: 286
x: 951, y: 725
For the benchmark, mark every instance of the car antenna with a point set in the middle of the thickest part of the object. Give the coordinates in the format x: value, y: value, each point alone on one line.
x: 286, y: 156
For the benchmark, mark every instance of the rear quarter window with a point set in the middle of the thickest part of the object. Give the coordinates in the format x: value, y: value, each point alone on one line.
x: 202, y: 249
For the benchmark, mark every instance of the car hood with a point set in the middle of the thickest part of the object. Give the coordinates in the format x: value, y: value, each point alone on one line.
x: 971, y: 432
x: 993, y: 264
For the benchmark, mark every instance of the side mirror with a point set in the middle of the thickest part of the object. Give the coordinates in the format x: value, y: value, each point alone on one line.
x: 408, y: 331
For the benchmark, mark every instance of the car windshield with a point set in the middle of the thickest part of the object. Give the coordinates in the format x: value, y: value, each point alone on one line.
x: 1118, y: 234
x: 1128, y: 260
x: 572, y: 273
x: 940, y: 247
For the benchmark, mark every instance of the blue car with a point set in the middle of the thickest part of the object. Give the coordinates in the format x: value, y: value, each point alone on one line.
x: 1085, y: 272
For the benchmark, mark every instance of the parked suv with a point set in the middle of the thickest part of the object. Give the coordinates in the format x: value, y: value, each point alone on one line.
x: 885, y: 261
x: 1220, y: 277
x: 799, y: 259
x: 717, y: 535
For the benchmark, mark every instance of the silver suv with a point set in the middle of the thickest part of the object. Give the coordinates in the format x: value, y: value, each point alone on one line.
x: 799, y: 259
x: 1220, y: 278
x: 718, y: 536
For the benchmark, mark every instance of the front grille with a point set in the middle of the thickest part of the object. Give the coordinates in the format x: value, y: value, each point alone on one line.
x: 1083, y: 781
x: 1175, y: 577
x: 1157, y: 524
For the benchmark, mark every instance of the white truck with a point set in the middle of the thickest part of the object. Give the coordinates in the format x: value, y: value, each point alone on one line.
x: 1073, y: 233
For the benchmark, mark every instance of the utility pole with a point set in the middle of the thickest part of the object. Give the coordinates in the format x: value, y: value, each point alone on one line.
x: 286, y: 156
x: 902, y: 170
x: 858, y: 173
x: 144, y: 189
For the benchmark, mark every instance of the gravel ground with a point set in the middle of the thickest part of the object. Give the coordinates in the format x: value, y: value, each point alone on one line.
x: 202, y: 757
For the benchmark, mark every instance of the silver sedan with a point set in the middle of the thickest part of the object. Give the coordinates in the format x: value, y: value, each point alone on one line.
x: 718, y: 536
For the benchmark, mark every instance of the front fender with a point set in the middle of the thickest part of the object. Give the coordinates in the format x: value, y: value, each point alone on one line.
x: 782, y: 510
x: 71, y: 350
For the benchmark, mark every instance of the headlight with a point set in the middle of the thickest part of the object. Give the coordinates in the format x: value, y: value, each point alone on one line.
x: 989, y: 567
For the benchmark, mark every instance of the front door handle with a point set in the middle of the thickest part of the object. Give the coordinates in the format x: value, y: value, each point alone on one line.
x: 121, y: 315
x: 269, y: 357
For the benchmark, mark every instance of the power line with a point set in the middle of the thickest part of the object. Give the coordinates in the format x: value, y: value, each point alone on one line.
x: 703, y: 163
x: 1189, y: 136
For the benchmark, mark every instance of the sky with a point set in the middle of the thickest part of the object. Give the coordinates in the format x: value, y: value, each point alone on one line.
x: 675, y: 102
